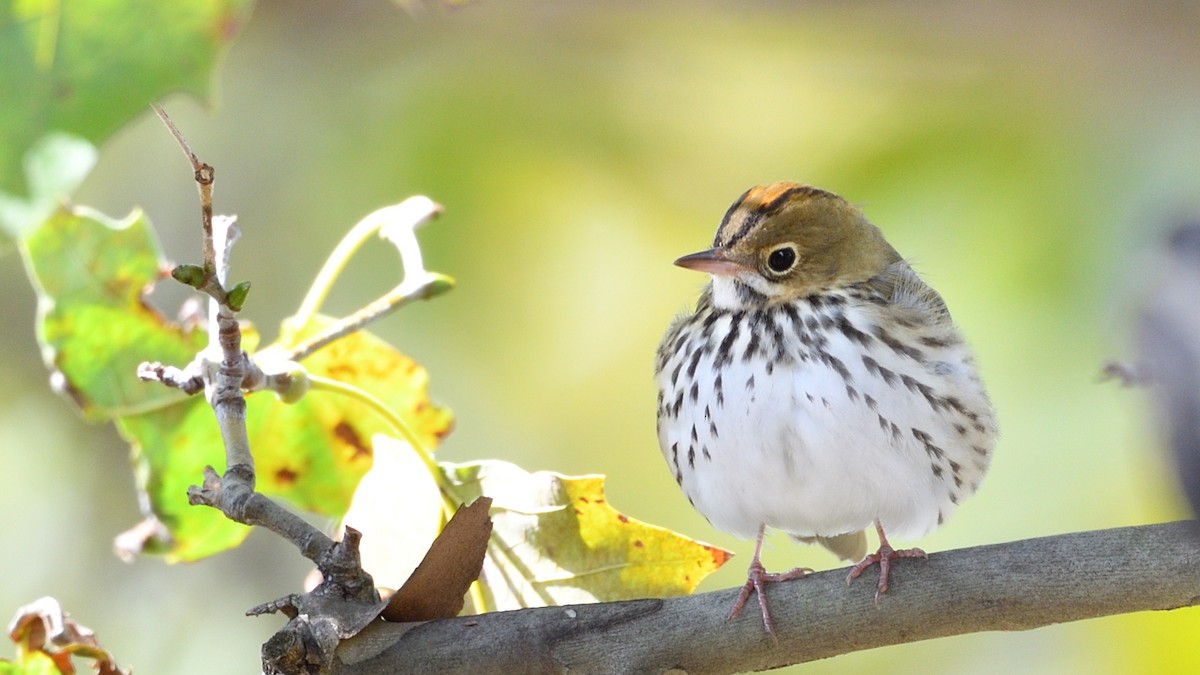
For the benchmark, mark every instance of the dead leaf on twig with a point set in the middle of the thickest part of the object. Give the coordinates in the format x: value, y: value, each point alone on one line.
x: 437, y: 587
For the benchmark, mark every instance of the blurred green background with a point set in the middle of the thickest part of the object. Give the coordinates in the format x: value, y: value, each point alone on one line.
x: 1026, y: 157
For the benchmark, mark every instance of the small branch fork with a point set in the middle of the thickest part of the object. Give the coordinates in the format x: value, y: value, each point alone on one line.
x: 346, y: 600
x: 396, y: 224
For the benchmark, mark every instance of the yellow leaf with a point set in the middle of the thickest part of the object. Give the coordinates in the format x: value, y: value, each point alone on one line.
x: 556, y: 541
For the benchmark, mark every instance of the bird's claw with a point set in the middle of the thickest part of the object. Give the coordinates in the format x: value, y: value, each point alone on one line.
x: 883, y: 557
x: 757, y: 578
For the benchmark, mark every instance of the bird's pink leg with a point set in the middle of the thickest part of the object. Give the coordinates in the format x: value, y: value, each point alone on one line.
x: 756, y: 580
x: 884, y: 557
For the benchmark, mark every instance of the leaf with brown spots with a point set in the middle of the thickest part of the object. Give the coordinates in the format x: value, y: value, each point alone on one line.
x: 92, y: 274
x: 556, y: 540
x: 312, y: 453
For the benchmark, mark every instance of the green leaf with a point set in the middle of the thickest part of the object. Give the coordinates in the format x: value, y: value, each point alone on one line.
x: 91, y: 274
x: 556, y: 540
x: 312, y: 453
x: 54, y: 166
x: 95, y: 328
x: 31, y: 663
x: 86, y: 68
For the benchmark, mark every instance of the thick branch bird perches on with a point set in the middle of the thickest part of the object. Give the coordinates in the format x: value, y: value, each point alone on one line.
x: 1013, y: 586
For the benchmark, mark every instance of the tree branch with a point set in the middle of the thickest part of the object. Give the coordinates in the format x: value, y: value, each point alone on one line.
x: 1014, y: 586
x: 346, y: 599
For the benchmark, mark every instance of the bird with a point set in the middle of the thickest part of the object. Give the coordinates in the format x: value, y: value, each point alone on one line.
x: 1168, y: 349
x: 819, y: 388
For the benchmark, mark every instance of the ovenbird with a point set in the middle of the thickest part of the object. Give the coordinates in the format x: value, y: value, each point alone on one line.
x: 820, y: 387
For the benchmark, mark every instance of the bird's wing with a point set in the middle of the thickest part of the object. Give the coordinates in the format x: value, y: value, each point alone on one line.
x: 907, y: 293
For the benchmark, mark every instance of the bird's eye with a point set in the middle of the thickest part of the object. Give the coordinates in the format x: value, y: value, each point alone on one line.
x: 782, y: 259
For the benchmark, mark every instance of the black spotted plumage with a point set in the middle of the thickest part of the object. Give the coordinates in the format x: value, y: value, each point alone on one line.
x: 822, y: 396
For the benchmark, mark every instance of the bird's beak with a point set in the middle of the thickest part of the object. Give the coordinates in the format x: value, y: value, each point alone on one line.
x: 713, y: 261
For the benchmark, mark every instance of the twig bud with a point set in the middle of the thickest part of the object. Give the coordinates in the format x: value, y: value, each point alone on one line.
x: 236, y: 296
x: 192, y: 275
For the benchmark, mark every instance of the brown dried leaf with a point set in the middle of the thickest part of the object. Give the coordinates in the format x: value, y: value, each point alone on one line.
x: 398, y: 508
x: 436, y: 588
x: 44, y: 627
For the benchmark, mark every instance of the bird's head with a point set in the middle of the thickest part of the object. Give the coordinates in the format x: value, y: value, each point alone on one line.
x: 783, y: 241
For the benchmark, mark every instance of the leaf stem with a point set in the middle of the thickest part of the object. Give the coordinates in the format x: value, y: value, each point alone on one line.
x: 427, y: 286
x: 409, y: 213
x: 402, y: 428
x: 398, y: 425
x: 477, y: 597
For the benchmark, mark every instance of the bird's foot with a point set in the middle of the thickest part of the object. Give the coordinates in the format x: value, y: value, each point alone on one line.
x: 883, y: 557
x: 757, y: 577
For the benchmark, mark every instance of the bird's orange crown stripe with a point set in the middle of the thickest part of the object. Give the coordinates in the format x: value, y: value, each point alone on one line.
x: 757, y: 203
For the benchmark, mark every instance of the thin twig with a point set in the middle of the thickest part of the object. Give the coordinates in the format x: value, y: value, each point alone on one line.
x: 401, y: 295
x: 233, y: 493
x: 407, y: 215
x: 346, y: 601
x: 205, y: 175
x: 186, y: 380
